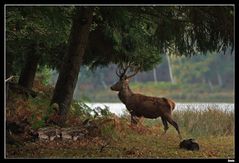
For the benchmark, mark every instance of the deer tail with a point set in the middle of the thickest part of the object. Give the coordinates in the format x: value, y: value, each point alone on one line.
x: 173, y: 105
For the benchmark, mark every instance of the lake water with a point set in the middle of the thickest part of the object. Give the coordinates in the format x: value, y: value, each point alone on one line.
x: 119, y: 108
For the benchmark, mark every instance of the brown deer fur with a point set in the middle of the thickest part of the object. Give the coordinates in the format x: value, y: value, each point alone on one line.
x: 145, y: 106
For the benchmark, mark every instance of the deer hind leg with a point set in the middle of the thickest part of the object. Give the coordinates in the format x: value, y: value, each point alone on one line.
x: 165, y: 124
x: 173, y: 123
x: 134, y: 120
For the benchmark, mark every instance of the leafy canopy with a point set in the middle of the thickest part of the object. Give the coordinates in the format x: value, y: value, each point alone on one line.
x: 141, y: 35
x: 137, y: 35
x: 125, y: 38
x: 46, y: 27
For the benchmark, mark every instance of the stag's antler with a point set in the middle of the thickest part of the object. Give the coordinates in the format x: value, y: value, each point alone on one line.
x: 121, y: 72
x: 134, y: 73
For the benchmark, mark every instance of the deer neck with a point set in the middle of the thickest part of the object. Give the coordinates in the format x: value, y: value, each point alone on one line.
x: 124, y: 93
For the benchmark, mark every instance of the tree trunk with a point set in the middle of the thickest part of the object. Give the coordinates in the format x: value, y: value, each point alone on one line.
x: 29, y: 70
x: 210, y: 85
x: 103, y: 81
x: 155, y: 76
x: 68, y: 75
x: 170, y: 69
x: 219, y: 78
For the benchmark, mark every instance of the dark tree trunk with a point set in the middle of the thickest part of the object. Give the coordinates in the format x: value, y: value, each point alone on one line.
x: 68, y: 75
x: 29, y: 70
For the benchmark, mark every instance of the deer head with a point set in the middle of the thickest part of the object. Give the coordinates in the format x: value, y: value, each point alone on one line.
x: 123, y: 78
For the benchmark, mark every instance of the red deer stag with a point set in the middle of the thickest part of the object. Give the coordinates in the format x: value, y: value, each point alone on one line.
x: 144, y: 106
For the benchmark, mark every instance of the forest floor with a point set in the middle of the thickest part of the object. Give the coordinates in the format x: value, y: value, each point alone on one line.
x: 116, y: 138
x: 140, y: 142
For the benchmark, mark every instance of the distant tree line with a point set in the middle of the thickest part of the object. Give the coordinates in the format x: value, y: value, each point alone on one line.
x: 211, y: 69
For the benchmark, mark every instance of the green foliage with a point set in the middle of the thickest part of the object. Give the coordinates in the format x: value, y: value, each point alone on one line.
x: 38, y: 28
x: 126, y: 38
x: 82, y: 110
x: 104, y: 112
x: 38, y: 124
x: 190, y: 30
x: 139, y: 35
x: 41, y: 110
x: 50, y: 111
x: 44, y: 74
x: 119, y: 34
x: 135, y: 45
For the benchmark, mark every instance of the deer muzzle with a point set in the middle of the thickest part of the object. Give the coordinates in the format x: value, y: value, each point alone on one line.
x: 112, y: 88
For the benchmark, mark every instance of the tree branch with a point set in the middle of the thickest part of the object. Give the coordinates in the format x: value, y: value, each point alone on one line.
x: 6, y: 80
